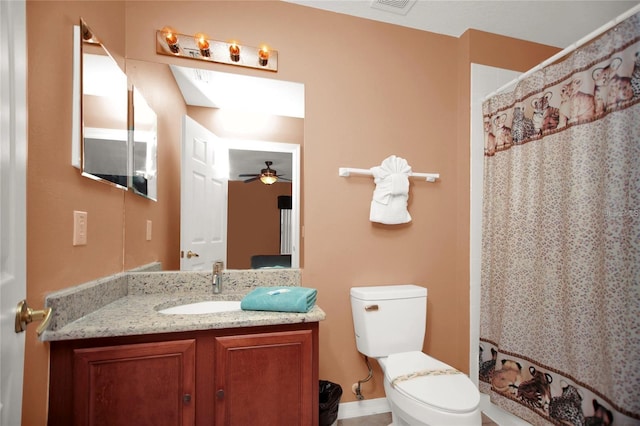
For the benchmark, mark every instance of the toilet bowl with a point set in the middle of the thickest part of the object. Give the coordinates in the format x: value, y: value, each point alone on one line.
x: 429, y: 392
x: 389, y: 324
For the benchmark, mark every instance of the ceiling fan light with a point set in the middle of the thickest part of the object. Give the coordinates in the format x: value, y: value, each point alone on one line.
x: 268, y: 178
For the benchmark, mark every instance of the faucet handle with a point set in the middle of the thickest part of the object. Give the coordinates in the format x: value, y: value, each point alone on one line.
x: 216, y: 277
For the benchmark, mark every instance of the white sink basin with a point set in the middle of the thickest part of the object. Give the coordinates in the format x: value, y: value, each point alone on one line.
x: 208, y: 307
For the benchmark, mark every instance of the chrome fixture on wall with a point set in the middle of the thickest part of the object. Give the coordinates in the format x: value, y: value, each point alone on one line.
x: 170, y: 42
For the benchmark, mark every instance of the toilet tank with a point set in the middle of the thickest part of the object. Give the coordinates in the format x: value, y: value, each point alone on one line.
x: 389, y: 319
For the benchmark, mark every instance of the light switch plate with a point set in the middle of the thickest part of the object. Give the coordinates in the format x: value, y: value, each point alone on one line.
x: 79, y: 228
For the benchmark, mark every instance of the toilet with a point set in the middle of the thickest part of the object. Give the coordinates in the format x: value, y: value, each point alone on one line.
x: 389, y: 324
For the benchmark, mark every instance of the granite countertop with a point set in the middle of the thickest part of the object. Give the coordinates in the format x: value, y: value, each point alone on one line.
x: 128, y: 304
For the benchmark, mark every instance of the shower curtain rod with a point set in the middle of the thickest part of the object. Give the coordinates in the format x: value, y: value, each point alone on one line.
x: 568, y: 50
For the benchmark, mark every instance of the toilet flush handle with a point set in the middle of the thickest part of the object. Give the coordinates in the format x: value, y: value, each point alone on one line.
x: 370, y: 308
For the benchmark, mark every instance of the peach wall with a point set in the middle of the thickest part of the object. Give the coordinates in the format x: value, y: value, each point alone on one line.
x: 372, y: 90
x: 164, y: 214
x: 54, y: 187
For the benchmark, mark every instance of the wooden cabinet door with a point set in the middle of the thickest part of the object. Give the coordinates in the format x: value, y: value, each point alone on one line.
x: 265, y: 379
x: 137, y: 384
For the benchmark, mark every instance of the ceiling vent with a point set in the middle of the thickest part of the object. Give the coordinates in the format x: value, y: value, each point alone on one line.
x: 400, y: 7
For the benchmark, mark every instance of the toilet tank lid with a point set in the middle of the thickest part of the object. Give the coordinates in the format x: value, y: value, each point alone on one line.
x: 388, y: 292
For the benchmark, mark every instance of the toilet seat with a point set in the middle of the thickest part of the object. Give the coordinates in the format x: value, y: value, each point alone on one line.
x: 453, y: 393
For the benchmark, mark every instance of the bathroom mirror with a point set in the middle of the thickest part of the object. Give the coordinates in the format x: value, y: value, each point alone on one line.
x: 243, y: 128
x: 253, y: 120
x: 235, y: 121
x: 104, y: 113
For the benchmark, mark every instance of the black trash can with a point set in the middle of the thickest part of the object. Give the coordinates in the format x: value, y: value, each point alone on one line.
x: 330, y: 394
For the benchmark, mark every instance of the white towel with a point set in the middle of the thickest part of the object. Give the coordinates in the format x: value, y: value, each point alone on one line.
x: 389, y: 203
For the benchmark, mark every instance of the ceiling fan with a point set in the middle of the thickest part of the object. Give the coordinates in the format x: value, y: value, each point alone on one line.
x: 267, y: 176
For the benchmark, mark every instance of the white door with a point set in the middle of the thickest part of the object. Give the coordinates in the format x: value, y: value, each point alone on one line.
x: 203, y: 198
x: 13, y: 232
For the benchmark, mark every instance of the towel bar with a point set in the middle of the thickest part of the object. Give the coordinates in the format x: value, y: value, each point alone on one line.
x: 347, y: 171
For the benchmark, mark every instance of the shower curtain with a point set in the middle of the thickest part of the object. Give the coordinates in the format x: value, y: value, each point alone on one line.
x: 560, y: 280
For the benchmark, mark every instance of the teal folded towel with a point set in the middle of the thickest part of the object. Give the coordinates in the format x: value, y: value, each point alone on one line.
x: 280, y: 299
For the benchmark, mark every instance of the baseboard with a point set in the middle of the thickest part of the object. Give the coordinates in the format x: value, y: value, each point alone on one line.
x: 367, y: 407
x: 498, y: 415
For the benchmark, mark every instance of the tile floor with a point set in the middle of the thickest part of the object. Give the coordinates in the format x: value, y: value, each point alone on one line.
x: 385, y: 418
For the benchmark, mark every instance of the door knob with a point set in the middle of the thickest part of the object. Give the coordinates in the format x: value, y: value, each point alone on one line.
x: 25, y: 315
x: 191, y: 254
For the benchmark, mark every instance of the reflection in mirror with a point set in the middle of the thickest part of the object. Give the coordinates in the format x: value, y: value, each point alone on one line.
x: 263, y: 224
x: 228, y: 217
x: 104, y: 113
x: 144, y: 149
x: 232, y: 107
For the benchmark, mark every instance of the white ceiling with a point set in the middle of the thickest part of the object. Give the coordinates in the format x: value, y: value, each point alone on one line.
x: 215, y: 89
x: 557, y: 23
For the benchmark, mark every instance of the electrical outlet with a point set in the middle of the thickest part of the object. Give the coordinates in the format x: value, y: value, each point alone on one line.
x: 79, y: 228
x: 148, y: 230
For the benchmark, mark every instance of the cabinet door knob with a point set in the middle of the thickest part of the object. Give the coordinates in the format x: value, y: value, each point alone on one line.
x: 186, y: 398
x: 220, y: 394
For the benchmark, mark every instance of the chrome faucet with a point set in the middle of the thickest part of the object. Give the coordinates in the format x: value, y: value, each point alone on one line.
x: 216, y: 279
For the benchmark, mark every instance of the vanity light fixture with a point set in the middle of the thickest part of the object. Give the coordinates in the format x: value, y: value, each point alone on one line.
x: 200, y: 47
x: 263, y: 56
x: 87, y: 35
x: 234, y: 52
x: 203, y: 44
x: 171, y: 40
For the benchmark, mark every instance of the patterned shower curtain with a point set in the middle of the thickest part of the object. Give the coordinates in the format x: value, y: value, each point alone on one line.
x: 560, y: 283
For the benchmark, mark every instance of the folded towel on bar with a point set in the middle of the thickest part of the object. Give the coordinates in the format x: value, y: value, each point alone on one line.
x: 280, y: 299
x: 391, y: 195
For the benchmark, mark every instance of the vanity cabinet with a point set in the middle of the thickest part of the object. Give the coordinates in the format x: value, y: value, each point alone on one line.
x: 263, y: 375
x: 145, y: 383
x: 264, y: 379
